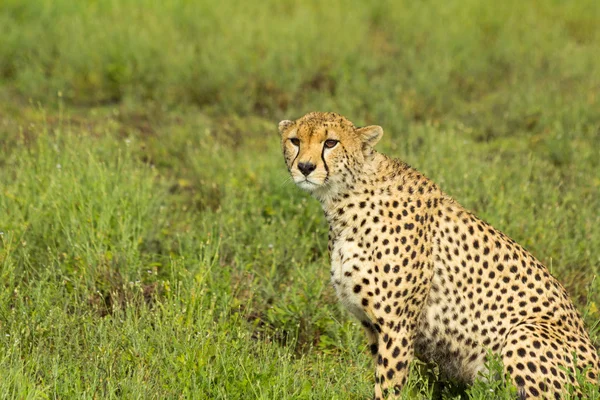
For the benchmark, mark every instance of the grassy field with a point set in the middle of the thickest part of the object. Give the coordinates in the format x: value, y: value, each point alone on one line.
x: 151, y: 245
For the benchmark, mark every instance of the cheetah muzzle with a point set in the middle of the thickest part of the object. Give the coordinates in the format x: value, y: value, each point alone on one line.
x: 426, y: 277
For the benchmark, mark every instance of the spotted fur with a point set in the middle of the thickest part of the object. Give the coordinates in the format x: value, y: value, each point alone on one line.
x: 425, y: 276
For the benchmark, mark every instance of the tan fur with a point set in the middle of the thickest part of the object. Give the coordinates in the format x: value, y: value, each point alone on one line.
x: 426, y: 277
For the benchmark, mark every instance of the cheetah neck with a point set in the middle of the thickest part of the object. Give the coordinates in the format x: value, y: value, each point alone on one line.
x: 376, y: 176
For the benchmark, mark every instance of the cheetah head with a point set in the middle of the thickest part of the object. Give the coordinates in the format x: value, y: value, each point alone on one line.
x: 322, y: 150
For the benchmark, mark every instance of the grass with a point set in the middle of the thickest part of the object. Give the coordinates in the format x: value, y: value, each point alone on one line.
x: 151, y: 245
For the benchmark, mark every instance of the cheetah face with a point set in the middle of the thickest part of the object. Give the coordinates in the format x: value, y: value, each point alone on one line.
x: 320, y: 150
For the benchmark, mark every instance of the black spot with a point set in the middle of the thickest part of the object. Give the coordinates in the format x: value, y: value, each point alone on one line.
x: 374, y: 348
x: 519, y: 380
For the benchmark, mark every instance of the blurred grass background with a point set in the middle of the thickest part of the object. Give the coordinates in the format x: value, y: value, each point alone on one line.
x: 151, y: 245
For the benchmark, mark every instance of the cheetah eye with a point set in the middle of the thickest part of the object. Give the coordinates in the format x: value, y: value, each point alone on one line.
x: 295, y: 141
x: 330, y: 143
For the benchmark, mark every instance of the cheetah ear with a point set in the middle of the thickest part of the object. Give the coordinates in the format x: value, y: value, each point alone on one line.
x: 284, y: 125
x: 370, y: 135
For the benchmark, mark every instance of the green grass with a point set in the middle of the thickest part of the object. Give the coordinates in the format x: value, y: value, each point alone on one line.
x: 152, y: 245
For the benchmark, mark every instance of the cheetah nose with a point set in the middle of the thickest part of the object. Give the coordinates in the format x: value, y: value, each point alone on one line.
x: 306, y: 168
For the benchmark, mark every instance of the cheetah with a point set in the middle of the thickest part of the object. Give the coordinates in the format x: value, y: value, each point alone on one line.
x: 427, y: 278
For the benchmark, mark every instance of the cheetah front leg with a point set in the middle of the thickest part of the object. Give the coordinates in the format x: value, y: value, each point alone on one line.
x: 395, y: 352
x: 397, y: 316
x: 381, y: 358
